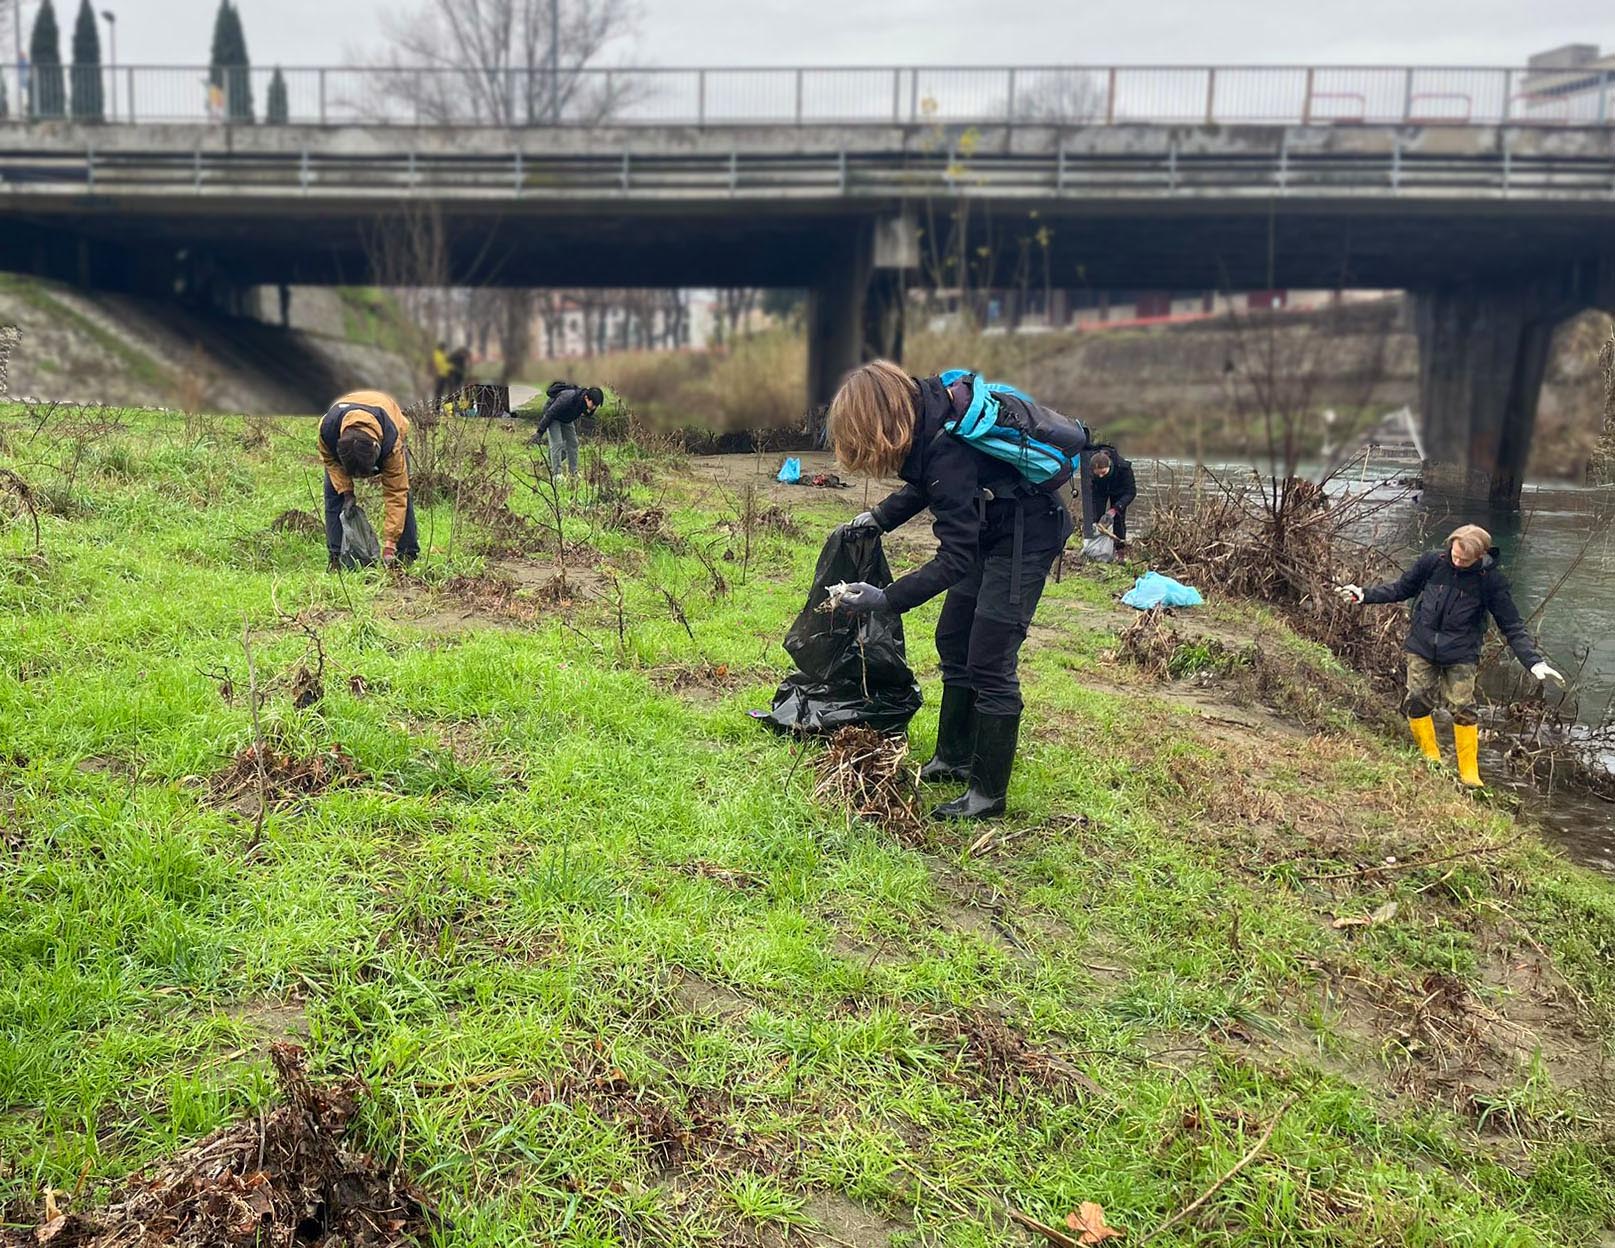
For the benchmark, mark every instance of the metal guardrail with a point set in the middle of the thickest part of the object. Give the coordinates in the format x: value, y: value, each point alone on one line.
x: 1059, y: 95
x: 1169, y: 172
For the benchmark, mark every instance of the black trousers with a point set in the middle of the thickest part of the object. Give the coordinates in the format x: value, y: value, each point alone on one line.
x: 409, y: 542
x: 984, y: 619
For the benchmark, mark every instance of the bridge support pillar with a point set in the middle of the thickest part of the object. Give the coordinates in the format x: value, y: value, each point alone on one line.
x: 1482, y: 357
x: 856, y: 312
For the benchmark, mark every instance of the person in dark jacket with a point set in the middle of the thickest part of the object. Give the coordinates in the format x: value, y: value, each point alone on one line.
x: 559, y: 420
x: 997, y: 539
x: 1112, y: 489
x: 1457, y: 589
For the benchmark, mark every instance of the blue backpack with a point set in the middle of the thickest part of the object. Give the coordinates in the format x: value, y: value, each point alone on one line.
x: 1012, y: 426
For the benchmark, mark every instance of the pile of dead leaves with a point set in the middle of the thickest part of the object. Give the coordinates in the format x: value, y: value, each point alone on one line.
x: 646, y: 523
x: 871, y: 776
x: 281, y: 776
x: 1149, y: 642
x: 491, y: 594
x: 286, y: 1178
x: 996, y: 1058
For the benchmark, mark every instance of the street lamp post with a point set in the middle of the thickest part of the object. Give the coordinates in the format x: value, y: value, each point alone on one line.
x: 112, y: 56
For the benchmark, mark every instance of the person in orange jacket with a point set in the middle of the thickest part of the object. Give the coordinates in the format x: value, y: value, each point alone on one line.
x: 366, y: 434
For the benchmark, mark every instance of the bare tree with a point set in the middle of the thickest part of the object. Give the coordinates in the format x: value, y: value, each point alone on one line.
x: 1059, y: 97
x: 515, y: 331
x: 734, y: 310
x: 503, y: 63
x: 506, y: 63
x: 408, y: 254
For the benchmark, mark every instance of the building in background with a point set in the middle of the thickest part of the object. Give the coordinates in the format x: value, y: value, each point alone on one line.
x: 1569, y: 85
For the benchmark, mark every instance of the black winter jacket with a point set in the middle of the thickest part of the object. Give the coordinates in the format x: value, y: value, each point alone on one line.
x: 563, y: 409
x: 947, y: 475
x: 1449, y: 619
x: 1117, y: 489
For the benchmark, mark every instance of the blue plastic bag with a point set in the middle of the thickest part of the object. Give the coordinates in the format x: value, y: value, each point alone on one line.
x: 790, y: 472
x: 1154, y: 590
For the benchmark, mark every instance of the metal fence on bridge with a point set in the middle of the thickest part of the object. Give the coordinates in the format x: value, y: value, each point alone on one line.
x: 1070, y: 95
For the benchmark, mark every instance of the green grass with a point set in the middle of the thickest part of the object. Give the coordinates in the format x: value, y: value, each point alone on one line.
x: 556, y: 874
x: 140, y: 366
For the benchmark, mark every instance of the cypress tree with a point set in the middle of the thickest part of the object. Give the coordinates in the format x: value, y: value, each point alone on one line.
x: 238, y: 91
x: 220, y: 56
x: 88, y: 102
x: 277, y: 110
x: 230, y: 67
x: 45, y: 52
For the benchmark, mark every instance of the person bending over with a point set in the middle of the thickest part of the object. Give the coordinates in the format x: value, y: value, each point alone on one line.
x: 997, y: 539
x: 1457, y: 589
x: 559, y: 420
x: 365, y: 434
x: 1112, y: 490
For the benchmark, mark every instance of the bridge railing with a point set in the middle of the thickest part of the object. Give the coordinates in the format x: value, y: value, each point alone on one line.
x: 1061, y: 95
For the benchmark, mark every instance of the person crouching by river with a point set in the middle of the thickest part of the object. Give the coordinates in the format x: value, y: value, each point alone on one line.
x: 1457, y: 589
x: 997, y: 539
x: 365, y: 434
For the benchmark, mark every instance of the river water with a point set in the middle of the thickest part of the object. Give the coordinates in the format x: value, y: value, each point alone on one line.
x: 1560, y: 534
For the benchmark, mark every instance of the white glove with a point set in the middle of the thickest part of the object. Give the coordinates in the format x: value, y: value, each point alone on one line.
x: 1350, y: 593
x: 1543, y: 671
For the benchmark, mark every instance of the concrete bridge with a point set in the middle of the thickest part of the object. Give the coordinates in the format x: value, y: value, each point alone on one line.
x: 1499, y: 225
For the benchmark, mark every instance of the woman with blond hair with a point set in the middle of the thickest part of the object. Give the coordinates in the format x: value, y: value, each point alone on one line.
x: 1457, y: 589
x: 998, y: 535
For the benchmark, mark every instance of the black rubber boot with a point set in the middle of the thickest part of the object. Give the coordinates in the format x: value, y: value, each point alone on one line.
x: 955, y: 737
x: 996, y: 737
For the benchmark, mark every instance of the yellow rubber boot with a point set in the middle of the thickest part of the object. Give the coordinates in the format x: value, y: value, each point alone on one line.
x: 1466, y: 740
x: 1424, y: 733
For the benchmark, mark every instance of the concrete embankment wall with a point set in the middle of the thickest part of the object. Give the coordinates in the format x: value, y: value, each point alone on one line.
x: 121, y: 350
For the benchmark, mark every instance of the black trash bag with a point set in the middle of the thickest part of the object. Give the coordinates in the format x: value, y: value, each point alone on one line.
x: 361, y: 548
x: 851, y: 667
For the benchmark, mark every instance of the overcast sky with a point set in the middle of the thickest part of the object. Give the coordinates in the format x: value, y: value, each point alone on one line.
x: 885, y: 32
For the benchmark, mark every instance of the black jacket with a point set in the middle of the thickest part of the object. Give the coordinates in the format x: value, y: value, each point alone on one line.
x: 563, y: 409
x: 1117, y: 489
x: 1449, y: 619
x: 947, y: 475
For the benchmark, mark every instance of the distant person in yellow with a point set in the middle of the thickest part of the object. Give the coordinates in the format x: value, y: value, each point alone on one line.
x: 366, y: 434
x: 441, y: 369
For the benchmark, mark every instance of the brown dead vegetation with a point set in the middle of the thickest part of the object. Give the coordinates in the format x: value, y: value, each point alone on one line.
x: 1441, y: 1042
x: 871, y: 776
x: 701, y: 681
x: 680, y: 1129
x: 287, y: 1177
x: 1283, y: 544
x: 995, y: 1059
x: 286, y: 776
x: 1302, y: 691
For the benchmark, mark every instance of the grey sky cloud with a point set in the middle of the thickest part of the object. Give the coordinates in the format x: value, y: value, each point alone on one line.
x: 962, y: 32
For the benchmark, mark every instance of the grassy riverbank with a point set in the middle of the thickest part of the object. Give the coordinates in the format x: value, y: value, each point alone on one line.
x: 609, y: 972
